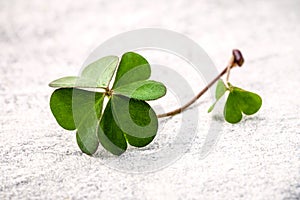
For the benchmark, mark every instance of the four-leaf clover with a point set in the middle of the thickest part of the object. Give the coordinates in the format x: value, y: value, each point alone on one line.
x: 107, y: 104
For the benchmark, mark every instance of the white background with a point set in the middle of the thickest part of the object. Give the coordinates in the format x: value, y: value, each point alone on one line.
x: 255, y: 159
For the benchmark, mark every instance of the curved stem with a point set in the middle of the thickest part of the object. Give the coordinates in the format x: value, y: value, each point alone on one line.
x: 232, y: 63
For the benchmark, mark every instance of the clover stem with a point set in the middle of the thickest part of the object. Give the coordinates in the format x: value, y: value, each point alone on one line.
x: 234, y: 61
x: 229, y: 68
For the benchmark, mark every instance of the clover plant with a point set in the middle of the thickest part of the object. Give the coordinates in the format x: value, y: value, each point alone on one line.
x: 107, y: 103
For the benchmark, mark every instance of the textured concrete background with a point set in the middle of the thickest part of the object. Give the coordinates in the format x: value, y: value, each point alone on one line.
x: 256, y: 159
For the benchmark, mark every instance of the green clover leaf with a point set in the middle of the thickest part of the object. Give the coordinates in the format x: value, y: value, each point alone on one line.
x: 220, y: 91
x: 64, y: 106
x: 132, y: 68
x: 238, y: 101
x: 142, y: 90
x: 126, y: 118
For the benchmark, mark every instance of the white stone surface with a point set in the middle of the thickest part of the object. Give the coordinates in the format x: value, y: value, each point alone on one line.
x: 256, y: 159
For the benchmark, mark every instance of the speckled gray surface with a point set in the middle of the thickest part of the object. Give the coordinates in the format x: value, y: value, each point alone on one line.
x: 256, y: 159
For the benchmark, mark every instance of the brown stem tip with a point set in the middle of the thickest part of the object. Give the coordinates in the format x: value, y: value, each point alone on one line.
x: 238, y: 57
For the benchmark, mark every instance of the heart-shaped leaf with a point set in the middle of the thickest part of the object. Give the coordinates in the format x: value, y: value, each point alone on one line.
x: 78, y: 109
x: 142, y: 90
x: 61, y: 107
x: 133, y: 67
x: 110, y: 135
x: 240, y: 101
x: 126, y: 119
x: 136, y: 118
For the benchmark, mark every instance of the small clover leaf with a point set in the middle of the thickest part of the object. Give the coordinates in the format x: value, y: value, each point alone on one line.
x: 240, y: 101
x: 126, y: 118
x: 220, y: 91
